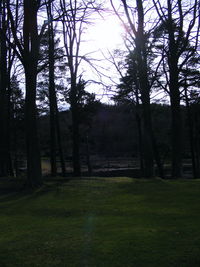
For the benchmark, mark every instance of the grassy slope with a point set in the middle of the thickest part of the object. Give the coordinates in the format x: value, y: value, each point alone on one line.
x: 113, y: 222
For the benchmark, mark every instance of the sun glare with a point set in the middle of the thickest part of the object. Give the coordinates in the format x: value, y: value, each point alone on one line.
x: 106, y: 34
x: 102, y: 38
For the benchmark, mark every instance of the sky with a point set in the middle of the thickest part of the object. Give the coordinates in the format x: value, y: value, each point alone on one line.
x: 99, y: 41
x: 106, y: 33
x: 102, y: 39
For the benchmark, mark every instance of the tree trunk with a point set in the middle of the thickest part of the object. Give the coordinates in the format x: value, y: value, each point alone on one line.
x: 76, y: 140
x: 139, y: 130
x: 176, y: 132
x: 157, y: 158
x: 197, y: 141
x: 60, y: 148
x: 146, y: 119
x: 174, y: 97
x: 89, y: 166
x: 30, y: 61
x: 191, y: 133
x: 52, y: 94
x: 10, y: 163
x: 140, y: 42
x: 4, y: 101
x: 54, y: 114
x: 34, y: 173
x: 147, y: 141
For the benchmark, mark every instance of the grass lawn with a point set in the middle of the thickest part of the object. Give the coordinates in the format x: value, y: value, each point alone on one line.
x: 102, y: 222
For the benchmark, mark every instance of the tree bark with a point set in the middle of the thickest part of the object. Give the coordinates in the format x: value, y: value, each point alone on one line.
x: 4, y: 98
x: 191, y: 134
x: 89, y: 166
x: 174, y: 98
x: 145, y: 93
x: 52, y: 93
x: 34, y: 173
x: 31, y: 50
x: 75, y: 134
x: 60, y: 147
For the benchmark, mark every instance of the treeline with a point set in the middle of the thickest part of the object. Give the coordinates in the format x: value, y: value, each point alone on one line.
x: 111, y: 132
x: 162, y: 57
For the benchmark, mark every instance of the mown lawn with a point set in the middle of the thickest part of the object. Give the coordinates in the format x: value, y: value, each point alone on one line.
x: 102, y: 222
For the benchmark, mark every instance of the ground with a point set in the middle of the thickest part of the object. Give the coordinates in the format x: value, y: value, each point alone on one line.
x: 101, y: 222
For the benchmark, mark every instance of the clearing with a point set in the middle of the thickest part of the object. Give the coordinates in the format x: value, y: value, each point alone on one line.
x: 101, y: 222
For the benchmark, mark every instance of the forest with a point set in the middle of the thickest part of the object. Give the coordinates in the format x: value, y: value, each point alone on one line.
x: 48, y: 114
x: 99, y: 133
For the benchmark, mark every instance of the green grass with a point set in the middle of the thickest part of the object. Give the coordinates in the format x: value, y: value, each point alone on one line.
x: 102, y: 222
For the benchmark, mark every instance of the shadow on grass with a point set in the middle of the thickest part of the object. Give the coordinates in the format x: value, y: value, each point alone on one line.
x: 15, y: 190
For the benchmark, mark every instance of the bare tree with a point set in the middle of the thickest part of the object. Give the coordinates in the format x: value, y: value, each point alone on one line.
x: 52, y: 93
x: 27, y: 50
x: 180, y: 26
x: 7, y: 57
x: 135, y: 25
x: 4, y: 163
x: 75, y: 16
x: 54, y: 114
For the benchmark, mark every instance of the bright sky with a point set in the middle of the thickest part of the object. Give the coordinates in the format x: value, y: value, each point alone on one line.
x: 106, y: 33
x: 99, y: 40
x: 103, y: 38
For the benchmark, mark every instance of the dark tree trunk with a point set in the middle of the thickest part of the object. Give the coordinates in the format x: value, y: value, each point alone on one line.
x: 10, y: 163
x: 176, y: 131
x: 174, y: 98
x: 145, y: 93
x: 139, y: 124
x: 191, y: 135
x: 52, y: 94
x: 60, y: 147
x: 197, y: 140
x: 54, y: 114
x: 34, y: 173
x: 157, y: 158
x: 28, y: 54
x: 147, y: 140
x: 89, y: 166
x: 53, y: 144
x: 15, y: 148
x: 31, y: 50
x: 138, y: 121
x: 4, y: 98
x: 76, y: 140
x: 75, y: 129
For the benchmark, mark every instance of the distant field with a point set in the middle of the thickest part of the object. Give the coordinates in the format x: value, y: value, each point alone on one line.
x: 98, y: 164
x: 113, y: 166
x: 101, y: 222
